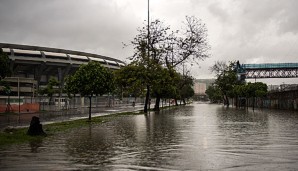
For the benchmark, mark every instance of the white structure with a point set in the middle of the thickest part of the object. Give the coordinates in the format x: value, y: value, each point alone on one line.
x: 41, y: 63
x: 200, y: 88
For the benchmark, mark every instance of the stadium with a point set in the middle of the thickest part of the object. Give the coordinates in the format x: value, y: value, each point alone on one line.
x: 33, y: 66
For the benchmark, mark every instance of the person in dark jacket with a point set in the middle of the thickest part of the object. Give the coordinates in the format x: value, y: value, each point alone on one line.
x: 35, y: 128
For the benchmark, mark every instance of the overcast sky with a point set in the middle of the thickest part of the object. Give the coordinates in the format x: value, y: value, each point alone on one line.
x: 251, y: 31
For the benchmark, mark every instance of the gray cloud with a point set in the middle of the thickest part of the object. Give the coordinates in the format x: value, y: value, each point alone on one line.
x: 77, y: 25
x: 246, y: 30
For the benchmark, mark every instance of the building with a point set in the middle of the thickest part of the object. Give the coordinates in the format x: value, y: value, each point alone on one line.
x: 200, y: 87
x: 33, y: 66
x: 41, y: 63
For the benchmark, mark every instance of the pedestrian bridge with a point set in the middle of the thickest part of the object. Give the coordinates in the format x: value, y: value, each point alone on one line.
x: 268, y: 70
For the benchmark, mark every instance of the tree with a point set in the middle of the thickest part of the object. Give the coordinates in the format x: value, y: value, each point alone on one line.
x: 184, y: 87
x: 172, y: 48
x: 226, y: 79
x: 92, y: 79
x: 257, y: 89
x: 192, y: 45
x: 214, y: 94
x: 50, y: 89
x: 131, y: 79
x: 163, y: 47
x: 70, y: 86
x: 4, y: 65
x: 186, y: 93
x: 250, y: 90
x: 261, y: 89
x: 163, y: 84
x: 6, y: 88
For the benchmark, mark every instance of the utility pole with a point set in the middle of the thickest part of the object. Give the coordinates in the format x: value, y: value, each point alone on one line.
x: 254, y: 97
x: 147, y: 101
x: 148, y: 29
x: 148, y: 87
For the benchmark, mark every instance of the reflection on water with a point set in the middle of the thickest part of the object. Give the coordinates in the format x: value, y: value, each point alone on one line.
x: 35, y: 144
x: 198, y: 137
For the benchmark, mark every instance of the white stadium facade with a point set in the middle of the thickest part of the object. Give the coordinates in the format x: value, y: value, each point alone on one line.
x: 33, y: 66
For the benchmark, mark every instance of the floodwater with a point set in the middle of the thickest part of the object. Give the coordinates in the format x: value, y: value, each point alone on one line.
x: 196, y: 137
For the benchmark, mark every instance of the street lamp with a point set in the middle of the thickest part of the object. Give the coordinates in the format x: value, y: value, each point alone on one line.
x: 148, y: 28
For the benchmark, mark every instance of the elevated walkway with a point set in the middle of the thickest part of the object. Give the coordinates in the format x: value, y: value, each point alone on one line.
x: 268, y: 70
x: 270, y: 66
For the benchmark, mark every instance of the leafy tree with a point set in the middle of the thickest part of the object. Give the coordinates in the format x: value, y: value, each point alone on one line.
x: 187, y: 92
x: 6, y: 89
x: 163, y: 47
x: 70, y: 86
x: 214, y: 93
x: 135, y: 78
x: 262, y: 91
x: 50, y: 89
x: 4, y: 65
x: 163, y: 84
x: 250, y: 90
x: 92, y: 79
x: 257, y: 89
x: 131, y: 79
x: 184, y: 87
x: 230, y: 86
x: 226, y: 79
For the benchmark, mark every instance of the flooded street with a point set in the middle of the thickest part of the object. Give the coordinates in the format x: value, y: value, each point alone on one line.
x: 195, y: 137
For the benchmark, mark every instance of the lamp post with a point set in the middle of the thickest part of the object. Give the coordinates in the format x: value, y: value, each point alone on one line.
x: 148, y: 29
x: 19, y: 99
x: 148, y: 56
x: 254, y: 97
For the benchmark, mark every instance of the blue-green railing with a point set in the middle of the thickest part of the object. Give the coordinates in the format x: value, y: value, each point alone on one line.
x: 270, y: 66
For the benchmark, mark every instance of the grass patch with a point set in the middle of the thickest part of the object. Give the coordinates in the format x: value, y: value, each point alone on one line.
x: 15, y: 136
x: 12, y: 136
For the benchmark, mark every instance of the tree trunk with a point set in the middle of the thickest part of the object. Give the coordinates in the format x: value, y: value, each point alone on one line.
x: 184, y: 103
x: 147, y: 99
x: 157, y: 101
x: 89, y: 108
x: 227, y: 100
x: 253, y: 103
x: 176, y: 102
x: 74, y: 101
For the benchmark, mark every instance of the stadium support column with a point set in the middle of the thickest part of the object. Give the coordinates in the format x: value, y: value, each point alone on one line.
x: 38, y: 72
x: 62, y: 73
x: 12, y: 61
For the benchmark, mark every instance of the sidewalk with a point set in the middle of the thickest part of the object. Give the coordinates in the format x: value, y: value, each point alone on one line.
x: 23, y: 119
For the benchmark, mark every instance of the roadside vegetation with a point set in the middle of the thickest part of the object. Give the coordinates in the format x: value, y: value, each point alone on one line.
x: 11, y: 136
x: 4, y: 65
x: 155, y: 68
x: 229, y: 85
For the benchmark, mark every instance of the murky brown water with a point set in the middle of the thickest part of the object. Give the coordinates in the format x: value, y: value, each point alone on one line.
x: 197, y: 137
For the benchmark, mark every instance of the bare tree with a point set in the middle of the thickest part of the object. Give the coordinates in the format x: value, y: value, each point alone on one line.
x: 170, y: 48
